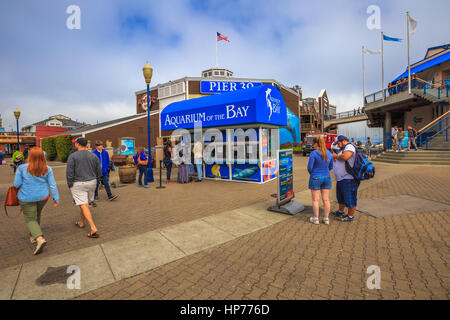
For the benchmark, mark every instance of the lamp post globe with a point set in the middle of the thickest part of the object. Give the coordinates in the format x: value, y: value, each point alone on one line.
x: 17, y: 116
x: 148, y: 72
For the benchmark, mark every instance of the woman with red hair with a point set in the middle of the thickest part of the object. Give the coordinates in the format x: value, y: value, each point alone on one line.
x: 35, y: 181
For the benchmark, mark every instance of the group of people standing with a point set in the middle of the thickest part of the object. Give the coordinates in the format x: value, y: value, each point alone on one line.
x: 184, y: 169
x: 321, y: 162
x: 398, y: 135
x: 84, y: 172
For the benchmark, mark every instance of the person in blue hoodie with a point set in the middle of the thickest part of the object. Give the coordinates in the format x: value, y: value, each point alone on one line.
x: 103, y: 156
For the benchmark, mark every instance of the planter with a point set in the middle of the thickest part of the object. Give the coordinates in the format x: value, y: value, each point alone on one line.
x: 119, y: 160
x: 127, y: 174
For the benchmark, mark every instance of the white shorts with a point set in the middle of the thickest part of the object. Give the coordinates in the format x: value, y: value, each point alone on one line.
x: 83, y: 191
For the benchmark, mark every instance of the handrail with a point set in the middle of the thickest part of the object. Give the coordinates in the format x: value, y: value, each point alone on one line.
x: 431, y: 84
x: 434, y: 121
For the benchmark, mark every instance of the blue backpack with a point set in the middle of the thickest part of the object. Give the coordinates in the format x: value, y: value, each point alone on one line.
x: 362, y: 169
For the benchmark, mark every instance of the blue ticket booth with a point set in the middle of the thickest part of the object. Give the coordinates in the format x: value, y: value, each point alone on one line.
x: 257, y: 112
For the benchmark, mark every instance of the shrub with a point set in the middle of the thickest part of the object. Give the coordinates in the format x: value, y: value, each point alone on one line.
x: 63, y: 146
x: 286, y: 145
x: 296, y: 145
x: 48, y: 145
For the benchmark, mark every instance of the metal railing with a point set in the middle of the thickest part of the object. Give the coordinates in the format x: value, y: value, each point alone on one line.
x: 438, y: 90
x: 346, y: 114
x: 14, y: 134
x: 439, y: 126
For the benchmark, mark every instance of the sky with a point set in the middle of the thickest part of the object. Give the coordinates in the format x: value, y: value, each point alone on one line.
x: 91, y: 74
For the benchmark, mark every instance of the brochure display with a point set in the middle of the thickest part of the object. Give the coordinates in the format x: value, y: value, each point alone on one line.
x: 285, y: 185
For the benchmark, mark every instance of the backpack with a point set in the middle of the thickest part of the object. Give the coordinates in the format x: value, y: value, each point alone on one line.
x: 362, y: 169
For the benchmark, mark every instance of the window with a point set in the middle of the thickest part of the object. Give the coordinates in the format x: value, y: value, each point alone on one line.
x: 210, y: 73
x: 222, y: 73
x: 216, y: 73
x: 205, y: 75
x: 171, y: 90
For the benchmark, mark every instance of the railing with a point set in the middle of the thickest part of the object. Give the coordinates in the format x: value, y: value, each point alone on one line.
x: 434, y: 121
x: 14, y: 133
x: 438, y: 90
x: 347, y: 114
x: 436, y: 127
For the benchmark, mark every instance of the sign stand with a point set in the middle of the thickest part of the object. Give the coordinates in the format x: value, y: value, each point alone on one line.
x: 285, y: 192
x: 160, y: 176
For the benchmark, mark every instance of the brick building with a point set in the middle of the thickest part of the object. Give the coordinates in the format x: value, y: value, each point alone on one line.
x: 213, y: 81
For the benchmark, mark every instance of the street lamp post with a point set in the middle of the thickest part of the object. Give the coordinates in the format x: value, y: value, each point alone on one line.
x: 148, y: 72
x: 17, y: 115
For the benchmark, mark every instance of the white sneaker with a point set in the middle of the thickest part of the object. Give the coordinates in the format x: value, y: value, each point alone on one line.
x: 314, y: 220
x: 326, y: 221
x: 40, y: 246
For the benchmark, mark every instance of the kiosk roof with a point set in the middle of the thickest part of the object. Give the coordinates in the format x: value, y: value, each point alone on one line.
x: 258, y: 105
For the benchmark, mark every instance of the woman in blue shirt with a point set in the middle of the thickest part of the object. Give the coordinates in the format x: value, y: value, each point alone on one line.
x: 35, y: 181
x: 319, y: 165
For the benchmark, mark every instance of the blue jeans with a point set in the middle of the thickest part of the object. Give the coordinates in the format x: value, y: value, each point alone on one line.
x: 168, y: 164
x: 320, y: 182
x: 347, y: 192
x: 105, y: 180
x: 143, y: 171
x: 199, y: 166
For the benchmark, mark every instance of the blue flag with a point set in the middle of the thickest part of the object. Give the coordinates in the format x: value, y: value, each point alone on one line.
x: 391, y: 39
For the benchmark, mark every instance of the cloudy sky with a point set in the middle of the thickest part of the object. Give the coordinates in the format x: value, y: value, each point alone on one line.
x: 91, y: 74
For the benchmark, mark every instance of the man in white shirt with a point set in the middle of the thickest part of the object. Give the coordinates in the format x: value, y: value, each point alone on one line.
x: 198, y: 159
x: 346, y: 185
x: 394, y: 135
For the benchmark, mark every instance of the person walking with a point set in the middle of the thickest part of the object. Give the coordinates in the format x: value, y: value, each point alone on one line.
x: 412, y: 135
x: 83, y: 172
x: 17, y: 159
x: 198, y: 159
x: 400, y: 137
x: 168, y: 160
x: 368, y: 147
x: 319, y: 165
x: 394, y: 136
x: 103, y: 156
x: 35, y: 182
x: 346, y: 185
x: 141, y: 160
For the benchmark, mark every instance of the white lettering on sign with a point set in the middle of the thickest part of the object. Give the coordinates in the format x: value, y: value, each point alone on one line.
x: 185, y: 119
x: 212, y: 84
x: 239, y: 112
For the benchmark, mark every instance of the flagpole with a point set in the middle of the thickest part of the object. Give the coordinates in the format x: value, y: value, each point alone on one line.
x: 382, y: 67
x: 217, y: 54
x: 409, y: 64
x: 364, y: 78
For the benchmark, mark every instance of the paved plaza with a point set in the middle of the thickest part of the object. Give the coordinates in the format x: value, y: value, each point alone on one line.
x: 215, y: 240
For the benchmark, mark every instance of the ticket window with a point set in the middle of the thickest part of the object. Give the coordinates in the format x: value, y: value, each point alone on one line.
x: 245, y: 148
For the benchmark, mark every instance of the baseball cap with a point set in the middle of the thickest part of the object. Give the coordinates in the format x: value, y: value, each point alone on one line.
x: 82, y: 141
x: 341, y: 138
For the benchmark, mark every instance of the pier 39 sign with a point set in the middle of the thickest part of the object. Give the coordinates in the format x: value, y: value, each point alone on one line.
x: 225, y: 86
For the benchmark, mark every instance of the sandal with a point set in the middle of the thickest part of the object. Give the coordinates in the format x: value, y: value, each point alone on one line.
x: 93, y: 234
x: 78, y: 225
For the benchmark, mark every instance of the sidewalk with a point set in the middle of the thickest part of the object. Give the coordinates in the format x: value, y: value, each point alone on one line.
x: 252, y: 253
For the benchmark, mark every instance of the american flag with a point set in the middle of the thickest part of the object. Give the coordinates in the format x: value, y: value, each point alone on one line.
x: 222, y: 37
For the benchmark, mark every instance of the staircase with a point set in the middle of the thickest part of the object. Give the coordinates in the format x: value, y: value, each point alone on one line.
x: 439, y: 142
x: 430, y: 157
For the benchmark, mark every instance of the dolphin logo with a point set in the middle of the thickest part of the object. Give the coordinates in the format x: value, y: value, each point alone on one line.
x: 269, y: 103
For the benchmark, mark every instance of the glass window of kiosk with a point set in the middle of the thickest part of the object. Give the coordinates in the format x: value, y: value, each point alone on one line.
x: 269, y: 140
x: 245, y: 146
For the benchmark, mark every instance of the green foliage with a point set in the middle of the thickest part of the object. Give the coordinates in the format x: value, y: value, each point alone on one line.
x: 48, y: 145
x: 297, y: 149
x: 286, y: 145
x: 63, y: 146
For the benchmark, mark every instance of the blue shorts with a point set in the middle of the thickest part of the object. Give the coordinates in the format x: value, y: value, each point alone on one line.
x: 318, y: 183
x: 347, y: 192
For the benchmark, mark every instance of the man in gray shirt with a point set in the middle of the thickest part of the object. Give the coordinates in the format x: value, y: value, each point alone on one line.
x: 82, y: 173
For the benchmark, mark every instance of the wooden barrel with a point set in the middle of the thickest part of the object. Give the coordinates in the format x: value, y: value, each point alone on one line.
x: 127, y: 174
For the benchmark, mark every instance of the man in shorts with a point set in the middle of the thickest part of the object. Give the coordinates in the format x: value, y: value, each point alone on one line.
x: 83, y: 173
x: 346, y: 185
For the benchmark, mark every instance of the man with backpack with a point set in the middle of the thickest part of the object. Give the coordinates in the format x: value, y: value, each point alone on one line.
x: 412, y: 135
x: 346, y: 185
